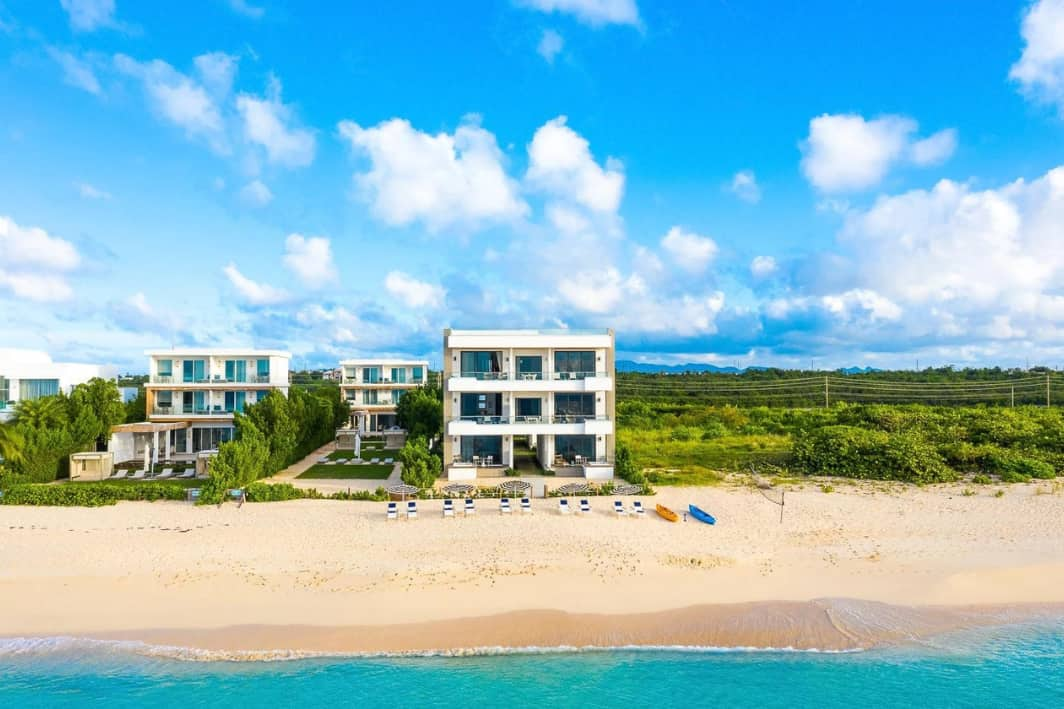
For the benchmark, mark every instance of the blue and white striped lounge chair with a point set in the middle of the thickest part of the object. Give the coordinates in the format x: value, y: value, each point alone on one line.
x: 585, y: 506
x: 392, y: 512
x: 167, y: 472
x: 504, y: 506
x: 618, y: 507
x: 448, y: 508
x: 526, y: 505
x: 411, y: 510
x: 637, y: 509
x: 119, y: 475
x: 470, y: 507
x: 563, y: 506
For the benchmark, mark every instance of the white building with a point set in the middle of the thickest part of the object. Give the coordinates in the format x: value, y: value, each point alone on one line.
x: 205, y: 387
x: 372, y: 388
x: 519, y: 393
x: 29, y: 374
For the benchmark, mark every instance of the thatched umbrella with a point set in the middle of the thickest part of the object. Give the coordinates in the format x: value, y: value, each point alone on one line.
x: 402, y: 489
x: 573, y: 488
x: 628, y: 490
x: 458, y: 489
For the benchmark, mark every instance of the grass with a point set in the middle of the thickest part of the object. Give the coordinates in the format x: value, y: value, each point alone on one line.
x: 700, y: 462
x: 367, y: 453
x: 346, y: 472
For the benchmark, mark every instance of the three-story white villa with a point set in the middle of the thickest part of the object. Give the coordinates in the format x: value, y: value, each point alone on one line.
x: 373, y: 387
x: 205, y: 387
x: 546, y: 391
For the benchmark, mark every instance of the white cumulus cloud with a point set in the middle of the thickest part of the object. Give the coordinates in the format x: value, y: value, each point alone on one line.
x: 272, y: 124
x: 252, y: 292
x: 550, y: 45
x: 89, y: 15
x: 689, y: 251
x: 256, y: 193
x: 762, y: 266
x: 847, y: 152
x: 76, y: 71
x: 1040, y: 69
x: 591, y: 12
x: 91, y: 192
x: 560, y: 163
x: 413, y: 292
x: 744, y: 186
x: 33, y: 264
x: 442, y: 180
x: 311, y: 259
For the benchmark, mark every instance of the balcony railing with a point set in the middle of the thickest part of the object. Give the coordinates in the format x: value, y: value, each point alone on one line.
x: 559, y: 418
x: 192, y: 410
x: 216, y: 379
x: 530, y: 376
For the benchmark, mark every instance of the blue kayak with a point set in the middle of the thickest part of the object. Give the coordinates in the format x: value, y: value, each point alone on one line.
x: 701, y: 515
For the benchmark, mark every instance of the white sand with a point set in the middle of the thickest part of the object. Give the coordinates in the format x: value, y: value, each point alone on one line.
x: 170, y: 565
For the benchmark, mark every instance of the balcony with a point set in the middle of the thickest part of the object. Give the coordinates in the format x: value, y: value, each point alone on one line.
x: 529, y: 425
x: 217, y: 410
x: 530, y: 381
x: 216, y: 379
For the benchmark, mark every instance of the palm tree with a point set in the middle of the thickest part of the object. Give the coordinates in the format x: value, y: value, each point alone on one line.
x: 11, y: 442
x: 46, y: 412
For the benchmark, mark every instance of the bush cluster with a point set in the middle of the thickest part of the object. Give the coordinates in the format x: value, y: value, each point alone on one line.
x: 91, y: 494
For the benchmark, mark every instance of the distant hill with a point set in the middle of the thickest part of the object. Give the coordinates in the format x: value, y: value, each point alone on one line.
x: 627, y: 365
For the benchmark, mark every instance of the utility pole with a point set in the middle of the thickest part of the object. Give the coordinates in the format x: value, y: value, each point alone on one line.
x: 1047, y: 389
x: 827, y: 398
x: 1013, y: 404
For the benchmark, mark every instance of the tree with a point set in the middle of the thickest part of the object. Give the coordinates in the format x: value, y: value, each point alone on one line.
x: 420, y: 467
x: 46, y: 412
x: 420, y: 412
x: 12, y: 444
x: 137, y: 409
x: 238, y: 463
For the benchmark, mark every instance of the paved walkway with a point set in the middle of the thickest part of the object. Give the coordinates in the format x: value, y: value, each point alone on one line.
x: 329, y: 485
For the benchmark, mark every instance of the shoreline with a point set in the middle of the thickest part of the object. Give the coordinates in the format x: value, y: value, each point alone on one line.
x: 822, y: 625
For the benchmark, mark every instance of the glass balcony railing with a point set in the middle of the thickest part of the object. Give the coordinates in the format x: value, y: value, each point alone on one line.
x: 559, y: 418
x: 531, y: 376
x: 215, y: 379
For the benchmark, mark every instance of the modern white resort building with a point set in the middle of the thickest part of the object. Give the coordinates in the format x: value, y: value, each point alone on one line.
x: 373, y: 387
x: 197, y: 391
x: 29, y: 374
x: 514, y: 395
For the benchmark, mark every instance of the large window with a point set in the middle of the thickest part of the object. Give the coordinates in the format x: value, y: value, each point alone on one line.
x: 37, y: 388
x: 482, y: 365
x: 164, y: 400
x: 371, y: 375
x: 481, y: 405
x: 234, y: 401
x: 417, y: 375
x: 569, y: 447
x: 165, y: 368
x: 210, y: 438
x: 5, y: 392
x: 236, y: 370
x: 194, y: 402
x: 482, y: 447
x: 369, y: 396
x: 399, y: 375
x: 262, y: 370
x: 529, y: 407
x: 529, y: 367
x: 574, y: 408
x: 574, y: 365
x: 194, y: 370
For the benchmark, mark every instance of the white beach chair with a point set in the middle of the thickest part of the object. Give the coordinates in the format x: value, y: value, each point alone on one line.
x: 563, y: 506
x: 388, y: 460
x: 618, y: 507
x: 470, y: 507
x: 585, y: 506
x: 330, y: 462
x: 323, y: 459
x: 504, y: 506
x: 526, y: 505
x: 167, y: 472
x: 138, y: 475
x: 392, y: 513
x: 189, y: 473
x: 119, y: 474
x: 638, y: 510
x: 448, y: 508
x: 374, y: 460
x: 411, y: 510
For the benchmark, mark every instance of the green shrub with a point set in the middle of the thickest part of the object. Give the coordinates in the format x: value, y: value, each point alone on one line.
x: 714, y: 430
x: 279, y: 492
x: 981, y: 479
x: 851, y: 452
x: 420, y: 466
x: 1013, y: 466
x: 91, y: 494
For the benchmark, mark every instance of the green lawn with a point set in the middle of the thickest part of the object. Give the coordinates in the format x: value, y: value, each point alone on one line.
x: 343, y: 472
x: 367, y: 453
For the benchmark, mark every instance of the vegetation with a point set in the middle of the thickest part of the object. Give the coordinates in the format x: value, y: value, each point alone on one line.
x: 369, y: 471
x: 421, y: 467
x: 37, y: 444
x: 420, y: 412
x: 92, y: 494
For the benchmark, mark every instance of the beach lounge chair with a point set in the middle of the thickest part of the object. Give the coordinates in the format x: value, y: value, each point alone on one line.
x: 504, y: 506
x: 563, y: 506
x: 340, y: 461
x: 637, y: 509
x: 323, y: 459
x: 375, y: 460
x: 189, y: 473
x: 138, y: 475
x: 585, y: 506
x: 392, y: 513
x: 470, y: 508
x: 618, y: 507
x: 526, y: 504
x: 119, y: 475
x: 448, y: 508
x: 167, y: 472
x: 388, y: 460
x: 411, y: 510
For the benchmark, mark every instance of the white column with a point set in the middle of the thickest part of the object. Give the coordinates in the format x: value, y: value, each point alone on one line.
x: 155, y: 448
x: 166, y: 434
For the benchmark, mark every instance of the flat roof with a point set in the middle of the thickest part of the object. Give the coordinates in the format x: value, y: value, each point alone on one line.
x: 215, y: 351
x: 370, y: 360
x: 149, y: 426
x: 533, y: 331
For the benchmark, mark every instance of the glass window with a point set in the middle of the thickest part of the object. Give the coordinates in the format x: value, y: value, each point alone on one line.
x: 37, y: 388
x: 481, y: 404
x: 477, y: 364
x: 399, y: 375
x: 164, y: 399
x: 165, y: 367
x: 194, y: 370
x: 417, y: 374
x: 397, y: 394
x: 5, y: 392
x: 571, y: 446
x: 261, y: 394
x: 482, y: 446
x: 529, y: 367
x: 262, y: 369
x: 369, y: 397
x: 574, y: 407
x: 574, y: 365
x: 371, y: 375
x: 529, y: 407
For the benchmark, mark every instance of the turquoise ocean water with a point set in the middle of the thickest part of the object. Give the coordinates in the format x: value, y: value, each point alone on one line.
x: 1015, y: 666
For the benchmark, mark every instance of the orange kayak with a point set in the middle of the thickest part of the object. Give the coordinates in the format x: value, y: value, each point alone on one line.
x: 666, y: 513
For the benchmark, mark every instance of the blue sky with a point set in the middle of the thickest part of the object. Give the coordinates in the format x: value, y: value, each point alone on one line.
x: 850, y: 183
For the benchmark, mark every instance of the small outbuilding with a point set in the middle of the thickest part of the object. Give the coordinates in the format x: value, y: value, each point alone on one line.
x: 94, y: 465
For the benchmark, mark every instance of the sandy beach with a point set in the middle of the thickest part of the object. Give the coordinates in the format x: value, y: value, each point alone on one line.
x: 331, y: 575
